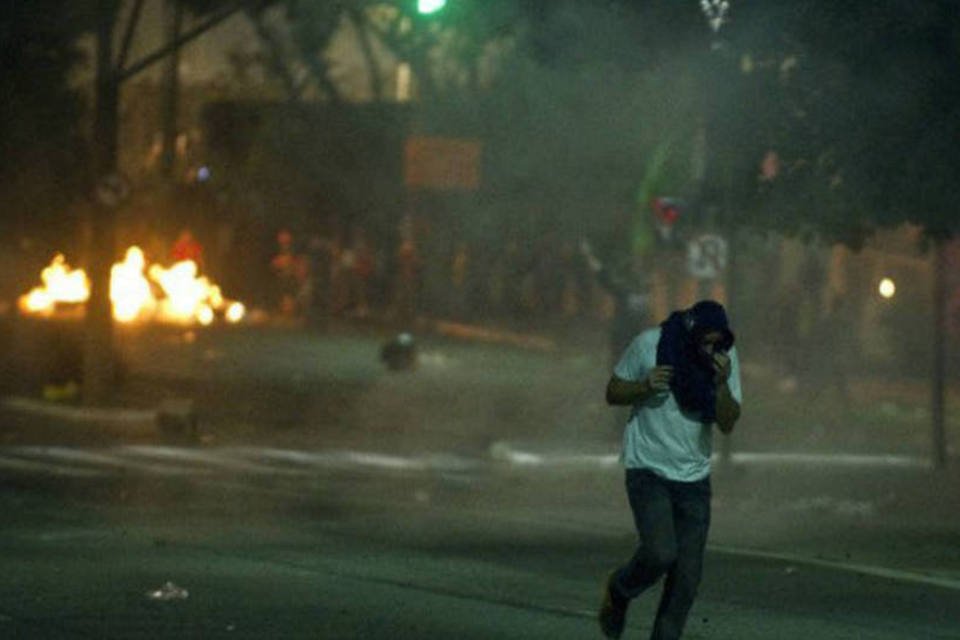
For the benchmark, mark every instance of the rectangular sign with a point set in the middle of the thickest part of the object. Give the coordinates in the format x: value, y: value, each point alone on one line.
x: 442, y: 163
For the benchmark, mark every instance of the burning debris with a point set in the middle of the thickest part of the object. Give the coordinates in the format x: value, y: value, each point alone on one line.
x: 60, y: 284
x: 176, y: 294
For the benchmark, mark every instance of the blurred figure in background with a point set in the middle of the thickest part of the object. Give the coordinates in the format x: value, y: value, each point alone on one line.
x: 319, y: 268
x: 290, y: 271
x: 574, y: 281
x: 517, y: 270
x: 631, y: 309
x: 459, y: 269
x: 363, y: 270
x: 407, y: 283
x: 187, y: 247
x: 343, y: 277
x: 631, y: 296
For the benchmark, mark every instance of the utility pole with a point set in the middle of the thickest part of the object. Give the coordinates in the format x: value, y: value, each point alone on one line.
x: 99, y: 232
x: 100, y: 224
x: 173, y: 18
x: 937, y: 396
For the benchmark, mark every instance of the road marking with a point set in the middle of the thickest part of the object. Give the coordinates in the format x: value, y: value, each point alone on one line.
x: 852, y: 567
x: 99, y: 457
x: 349, y: 458
x: 169, y: 460
x: 46, y: 468
x: 186, y: 461
x: 504, y: 452
x: 212, y: 457
x: 833, y: 459
x: 81, y: 414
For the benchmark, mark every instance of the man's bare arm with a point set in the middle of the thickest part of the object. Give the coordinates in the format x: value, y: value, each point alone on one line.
x: 728, y: 409
x: 627, y: 392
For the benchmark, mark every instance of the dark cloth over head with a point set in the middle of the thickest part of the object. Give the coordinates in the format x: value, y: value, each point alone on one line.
x: 692, y: 383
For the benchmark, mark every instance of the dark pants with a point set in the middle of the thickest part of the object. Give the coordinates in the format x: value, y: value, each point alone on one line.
x: 672, y: 520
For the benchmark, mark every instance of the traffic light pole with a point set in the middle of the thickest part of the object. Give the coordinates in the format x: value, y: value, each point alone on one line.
x: 100, y: 225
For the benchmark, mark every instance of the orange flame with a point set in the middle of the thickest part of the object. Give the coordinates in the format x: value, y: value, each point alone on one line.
x: 174, y: 294
x: 60, y: 284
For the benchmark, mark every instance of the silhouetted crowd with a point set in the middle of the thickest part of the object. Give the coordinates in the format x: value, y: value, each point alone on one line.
x: 346, y: 275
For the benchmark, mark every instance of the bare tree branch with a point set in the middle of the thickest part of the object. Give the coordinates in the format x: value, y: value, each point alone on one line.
x: 129, y: 33
x: 359, y: 20
x: 275, y: 55
x: 321, y: 73
x: 188, y: 36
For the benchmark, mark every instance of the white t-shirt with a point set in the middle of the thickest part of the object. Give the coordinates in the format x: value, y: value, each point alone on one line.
x: 659, y: 436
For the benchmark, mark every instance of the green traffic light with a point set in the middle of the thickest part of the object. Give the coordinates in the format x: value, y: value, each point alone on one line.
x: 427, y: 7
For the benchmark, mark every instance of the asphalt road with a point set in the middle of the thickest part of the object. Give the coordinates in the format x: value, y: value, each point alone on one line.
x: 333, y: 548
x: 475, y: 497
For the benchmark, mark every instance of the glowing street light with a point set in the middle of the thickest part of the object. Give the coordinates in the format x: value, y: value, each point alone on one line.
x: 887, y: 288
x: 427, y: 7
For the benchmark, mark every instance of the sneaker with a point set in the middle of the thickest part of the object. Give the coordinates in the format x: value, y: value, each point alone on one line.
x: 613, y: 610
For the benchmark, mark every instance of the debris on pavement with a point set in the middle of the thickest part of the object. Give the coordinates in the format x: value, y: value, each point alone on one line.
x: 169, y: 591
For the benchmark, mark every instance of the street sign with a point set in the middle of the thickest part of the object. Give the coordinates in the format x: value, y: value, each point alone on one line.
x: 442, y: 163
x: 666, y: 213
x: 707, y: 256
